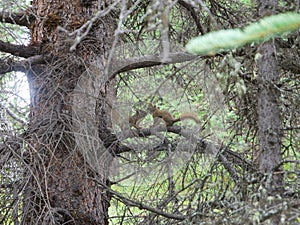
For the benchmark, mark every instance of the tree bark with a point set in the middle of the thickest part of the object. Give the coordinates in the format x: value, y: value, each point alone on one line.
x: 269, y: 123
x: 60, y: 187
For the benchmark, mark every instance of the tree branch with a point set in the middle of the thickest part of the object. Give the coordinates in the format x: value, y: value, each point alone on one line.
x: 10, y: 65
x: 140, y: 205
x: 146, y: 61
x: 22, y: 18
x: 193, y: 13
x: 13, y: 115
x: 226, y: 157
x: 18, y: 50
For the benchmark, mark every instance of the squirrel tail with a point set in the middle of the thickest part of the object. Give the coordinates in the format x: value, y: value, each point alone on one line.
x: 189, y: 115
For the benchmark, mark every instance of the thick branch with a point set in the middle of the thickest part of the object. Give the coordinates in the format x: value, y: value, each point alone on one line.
x: 226, y: 157
x: 10, y: 65
x: 18, y: 50
x: 147, y: 61
x: 22, y: 19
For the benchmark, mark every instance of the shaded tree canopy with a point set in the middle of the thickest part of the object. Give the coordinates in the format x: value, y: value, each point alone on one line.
x: 87, y: 146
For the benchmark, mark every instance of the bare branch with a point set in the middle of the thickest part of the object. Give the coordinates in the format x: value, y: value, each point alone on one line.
x: 147, y: 61
x: 130, y: 202
x: 18, y: 50
x: 10, y: 65
x: 22, y: 18
x: 13, y: 115
x: 225, y: 156
x: 193, y: 13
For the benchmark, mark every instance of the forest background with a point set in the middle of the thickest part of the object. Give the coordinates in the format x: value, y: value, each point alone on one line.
x: 81, y: 148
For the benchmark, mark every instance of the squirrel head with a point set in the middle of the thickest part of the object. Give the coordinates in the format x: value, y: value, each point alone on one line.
x: 152, y: 108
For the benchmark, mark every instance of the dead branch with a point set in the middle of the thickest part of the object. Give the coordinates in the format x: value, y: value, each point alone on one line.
x: 225, y: 156
x: 21, y: 18
x: 10, y: 65
x: 140, y: 205
x: 18, y: 50
x: 13, y: 115
x: 193, y: 13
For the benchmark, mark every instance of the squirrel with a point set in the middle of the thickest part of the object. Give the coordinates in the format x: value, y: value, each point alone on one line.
x: 132, y: 121
x: 168, y: 118
x: 135, y: 120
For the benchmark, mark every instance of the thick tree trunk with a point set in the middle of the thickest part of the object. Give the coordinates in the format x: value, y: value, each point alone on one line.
x: 60, y: 187
x: 269, y: 123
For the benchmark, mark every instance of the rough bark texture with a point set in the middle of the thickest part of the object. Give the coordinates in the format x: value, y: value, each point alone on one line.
x: 269, y: 123
x: 60, y: 188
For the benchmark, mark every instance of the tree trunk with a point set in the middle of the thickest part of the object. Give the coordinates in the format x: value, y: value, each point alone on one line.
x: 269, y: 123
x: 60, y: 187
